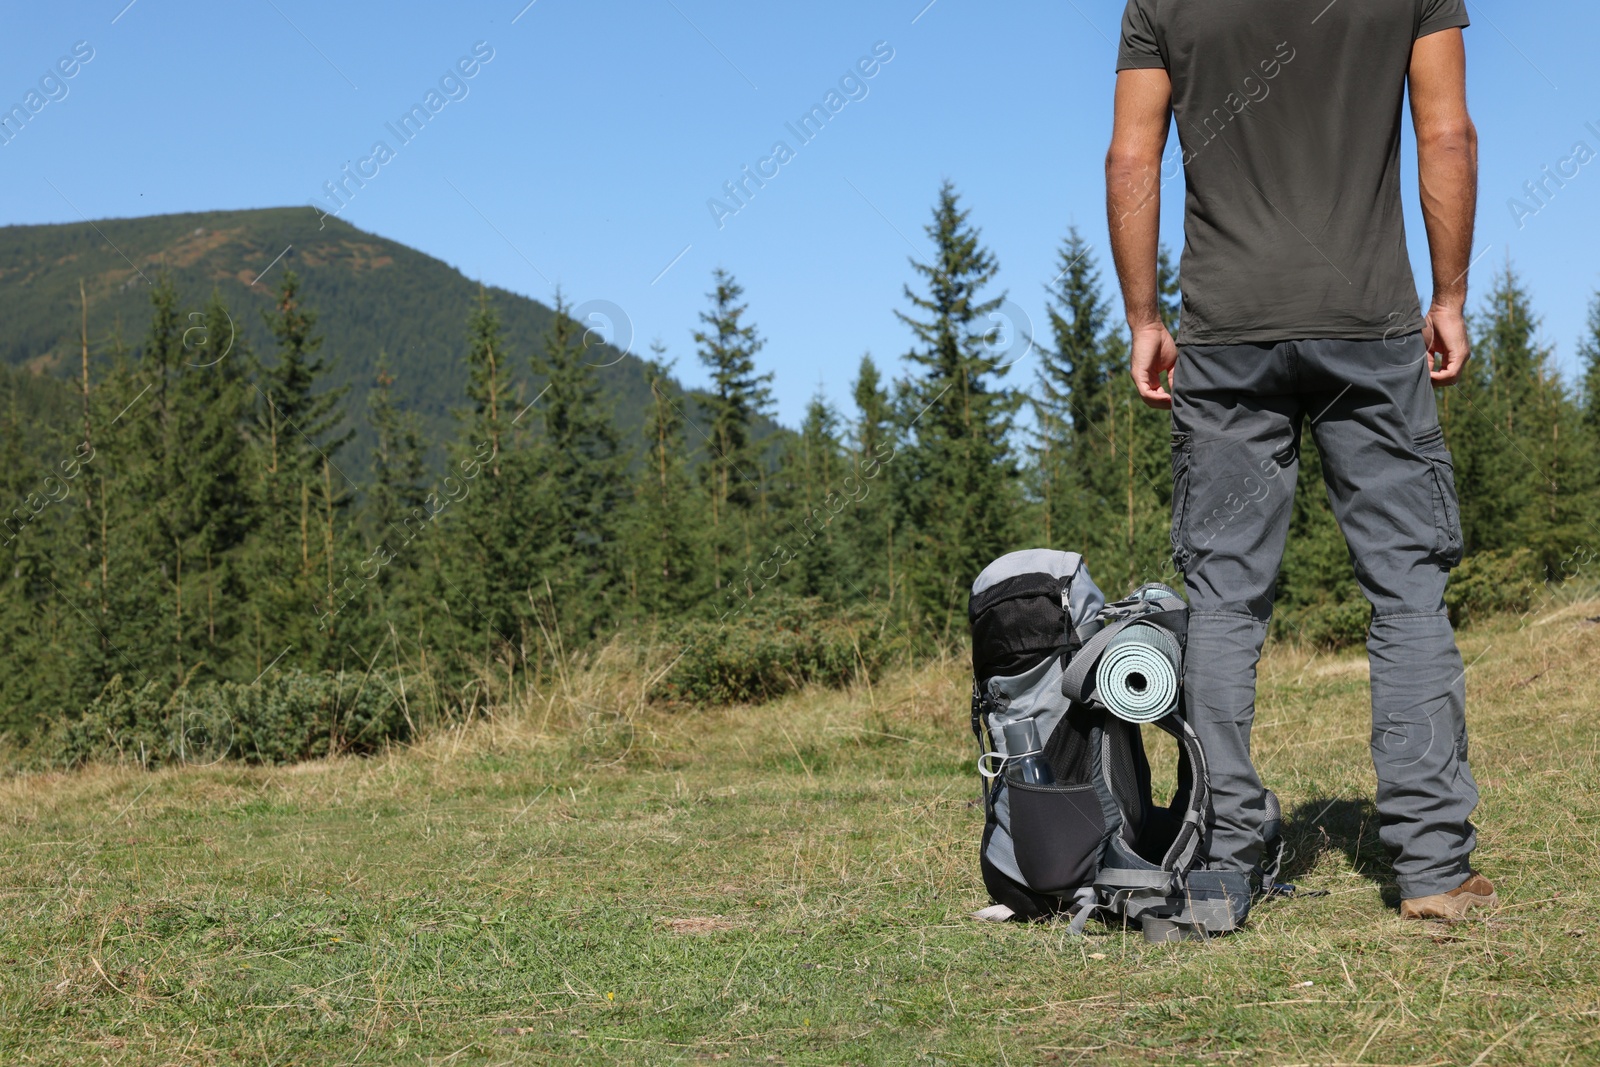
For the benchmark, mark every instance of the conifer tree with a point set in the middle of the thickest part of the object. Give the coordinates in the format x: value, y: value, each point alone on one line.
x: 488, y: 378
x: 581, y: 475
x: 814, y: 468
x: 1589, y: 354
x: 486, y: 564
x: 1072, y: 458
x: 734, y: 473
x: 870, y: 521
x: 398, y: 470
x: 667, y: 566
x: 959, y: 493
x: 303, y: 417
x: 302, y: 584
x: 210, y: 504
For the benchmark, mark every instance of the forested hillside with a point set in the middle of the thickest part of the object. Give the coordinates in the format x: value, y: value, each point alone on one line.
x: 191, y: 515
x: 376, y: 296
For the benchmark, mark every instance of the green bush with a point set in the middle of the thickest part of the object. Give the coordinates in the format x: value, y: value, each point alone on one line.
x: 1332, y: 624
x: 290, y: 716
x: 775, y: 645
x: 1492, y: 583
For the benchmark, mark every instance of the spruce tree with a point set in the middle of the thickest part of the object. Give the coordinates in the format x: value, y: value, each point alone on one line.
x: 299, y: 555
x: 734, y: 473
x: 488, y: 378
x: 813, y: 471
x: 303, y: 417
x: 959, y: 492
x: 397, y: 466
x: 870, y: 520
x: 1589, y: 353
x: 210, y: 504
x: 581, y: 475
x: 1523, y: 467
x: 1073, y: 461
x: 666, y: 536
x: 487, y: 568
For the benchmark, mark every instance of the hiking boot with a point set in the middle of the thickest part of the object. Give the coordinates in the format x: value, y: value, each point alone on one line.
x: 1476, y: 892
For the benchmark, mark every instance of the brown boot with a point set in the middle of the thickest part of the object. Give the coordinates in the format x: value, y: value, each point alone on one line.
x: 1476, y: 892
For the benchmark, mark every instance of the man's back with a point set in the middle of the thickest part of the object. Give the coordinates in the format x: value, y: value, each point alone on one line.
x: 1289, y: 117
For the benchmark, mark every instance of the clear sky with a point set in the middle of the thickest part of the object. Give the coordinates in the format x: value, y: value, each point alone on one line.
x: 585, y: 151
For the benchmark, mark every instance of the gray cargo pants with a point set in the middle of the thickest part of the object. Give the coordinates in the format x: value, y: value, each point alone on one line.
x: 1237, y: 415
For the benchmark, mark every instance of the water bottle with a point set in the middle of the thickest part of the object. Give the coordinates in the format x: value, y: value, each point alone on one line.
x: 1025, y: 762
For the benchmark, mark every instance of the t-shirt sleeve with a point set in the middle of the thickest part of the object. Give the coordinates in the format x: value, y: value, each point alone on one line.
x: 1441, y: 15
x: 1139, y: 48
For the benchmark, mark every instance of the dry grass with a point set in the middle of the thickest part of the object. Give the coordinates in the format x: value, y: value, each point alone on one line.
x: 576, y: 877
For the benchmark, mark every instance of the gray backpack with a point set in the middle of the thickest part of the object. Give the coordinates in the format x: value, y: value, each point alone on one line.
x: 1083, y: 836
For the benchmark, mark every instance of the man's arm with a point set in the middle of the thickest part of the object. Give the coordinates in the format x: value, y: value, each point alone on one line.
x: 1133, y: 208
x: 1447, y: 171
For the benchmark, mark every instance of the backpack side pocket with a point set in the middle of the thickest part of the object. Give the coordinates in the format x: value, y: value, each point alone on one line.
x: 1057, y: 833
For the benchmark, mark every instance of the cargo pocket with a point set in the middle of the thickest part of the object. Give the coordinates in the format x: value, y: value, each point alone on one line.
x: 1056, y: 832
x: 1446, y: 505
x: 1180, y: 498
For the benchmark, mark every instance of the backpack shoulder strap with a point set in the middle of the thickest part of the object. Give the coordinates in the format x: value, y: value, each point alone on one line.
x: 1197, y: 810
x: 1168, y: 612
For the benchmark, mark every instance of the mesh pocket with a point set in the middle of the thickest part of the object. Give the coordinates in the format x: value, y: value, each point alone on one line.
x: 1056, y: 832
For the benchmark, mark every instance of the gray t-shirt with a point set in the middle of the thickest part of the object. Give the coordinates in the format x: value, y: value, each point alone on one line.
x: 1288, y: 117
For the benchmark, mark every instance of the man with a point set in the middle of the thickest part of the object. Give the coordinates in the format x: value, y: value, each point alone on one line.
x: 1299, y: 310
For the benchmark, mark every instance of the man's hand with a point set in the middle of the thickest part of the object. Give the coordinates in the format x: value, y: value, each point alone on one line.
x: 1153, y: 352
x: 1445, y: 333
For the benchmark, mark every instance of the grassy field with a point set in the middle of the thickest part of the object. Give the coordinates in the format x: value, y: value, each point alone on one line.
x: 578, y: 880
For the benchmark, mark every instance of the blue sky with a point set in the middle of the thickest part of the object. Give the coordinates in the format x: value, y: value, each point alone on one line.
x: 585, y: 151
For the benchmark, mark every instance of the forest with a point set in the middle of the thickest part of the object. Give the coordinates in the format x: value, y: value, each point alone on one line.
x: 193, y: 537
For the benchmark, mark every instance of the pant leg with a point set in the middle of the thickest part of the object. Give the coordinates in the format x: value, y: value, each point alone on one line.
x: 1390, y: 483
x: 1235, y: 427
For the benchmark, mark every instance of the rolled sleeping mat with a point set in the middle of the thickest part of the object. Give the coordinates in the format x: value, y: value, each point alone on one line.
x: 1138, y: 675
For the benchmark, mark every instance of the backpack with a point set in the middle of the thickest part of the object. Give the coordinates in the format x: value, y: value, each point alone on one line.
x: 1092, y: 842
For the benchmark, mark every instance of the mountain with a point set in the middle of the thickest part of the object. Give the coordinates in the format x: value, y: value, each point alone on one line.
x: 370, y: 294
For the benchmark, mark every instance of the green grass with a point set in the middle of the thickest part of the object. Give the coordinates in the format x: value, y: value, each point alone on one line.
x: 578, y: 880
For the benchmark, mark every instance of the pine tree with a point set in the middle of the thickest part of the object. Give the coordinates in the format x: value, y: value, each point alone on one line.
x: 1589, y: 353
x: 398, y: 470
x: 303, y: 419
x: 488, y: 378
x: 1522, y: 466
x: 486, y: 569
x: 959, y: 492
x: 1496, y: 478
x: 1072, y: 449
x: 734, y: 473
x: 813, y: 470
x: 210, y: 505
x: 870, y: 521
x: 666, y: 538
x: 299, y: 556
x: 1100, y: 463
x: 581, y: 474
x: 1073, y: 376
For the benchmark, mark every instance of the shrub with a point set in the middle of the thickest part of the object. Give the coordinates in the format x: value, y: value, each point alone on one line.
x: 291, y: 716
x: 776, y: 645
x: 1332, y: 624
x: 1492, y: 583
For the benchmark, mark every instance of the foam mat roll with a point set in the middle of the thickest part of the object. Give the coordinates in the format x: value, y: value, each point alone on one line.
x: 1139, y: 672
